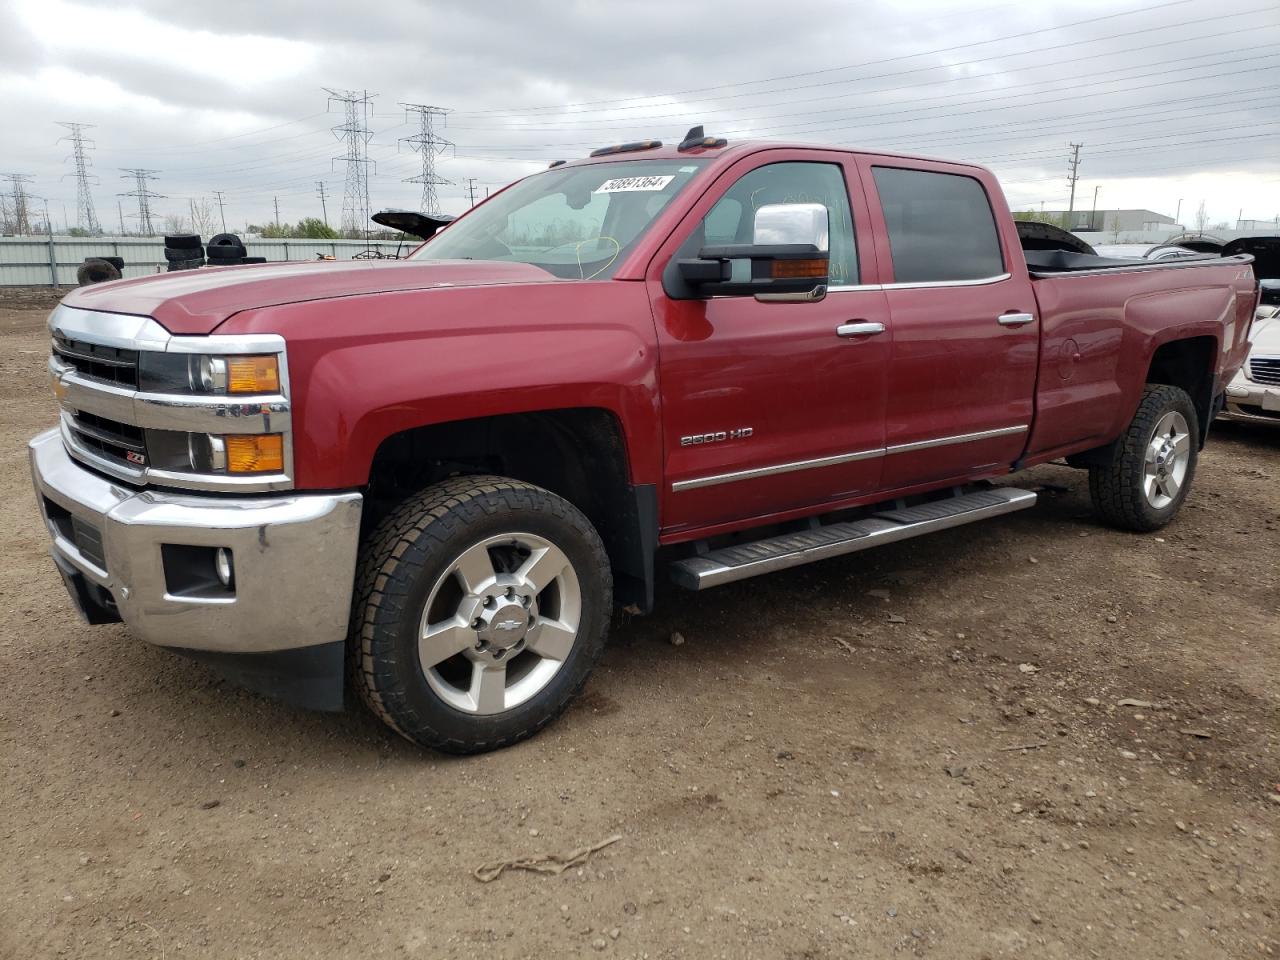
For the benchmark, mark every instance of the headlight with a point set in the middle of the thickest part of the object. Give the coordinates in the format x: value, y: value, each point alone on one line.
x: 203, y: 374
x: 231, y: 454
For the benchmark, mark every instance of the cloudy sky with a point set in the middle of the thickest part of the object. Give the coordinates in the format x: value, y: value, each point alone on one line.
x: 1171, y: 99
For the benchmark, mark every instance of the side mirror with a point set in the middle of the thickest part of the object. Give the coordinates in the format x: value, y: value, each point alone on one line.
x: 787, y: 261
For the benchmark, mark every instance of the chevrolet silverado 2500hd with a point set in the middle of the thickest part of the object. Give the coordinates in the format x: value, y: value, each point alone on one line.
x: 429, y: 481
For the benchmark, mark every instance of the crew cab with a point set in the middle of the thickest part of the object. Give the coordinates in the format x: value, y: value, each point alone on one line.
x: 430, y: 482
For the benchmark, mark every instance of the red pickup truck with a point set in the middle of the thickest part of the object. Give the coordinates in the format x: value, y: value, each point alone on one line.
x: 430, y: 481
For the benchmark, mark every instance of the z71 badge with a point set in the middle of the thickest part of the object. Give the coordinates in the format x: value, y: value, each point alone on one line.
x: 718, y: 436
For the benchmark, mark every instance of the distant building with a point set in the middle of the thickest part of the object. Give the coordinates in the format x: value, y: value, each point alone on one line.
x: 1112, y: 220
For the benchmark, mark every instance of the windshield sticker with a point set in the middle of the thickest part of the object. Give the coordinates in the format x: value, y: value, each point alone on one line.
x: 631, y: 184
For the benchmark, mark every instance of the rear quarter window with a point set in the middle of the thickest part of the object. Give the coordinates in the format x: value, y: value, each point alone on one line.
x: 941, y: 226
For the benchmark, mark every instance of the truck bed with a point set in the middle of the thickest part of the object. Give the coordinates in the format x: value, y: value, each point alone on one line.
x: 1052, y: 263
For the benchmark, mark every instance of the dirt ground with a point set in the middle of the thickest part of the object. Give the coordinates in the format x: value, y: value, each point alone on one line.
x: 803, y: 777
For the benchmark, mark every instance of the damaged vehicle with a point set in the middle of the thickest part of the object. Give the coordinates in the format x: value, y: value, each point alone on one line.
x: 1254, y: 394
x: 429, y: 482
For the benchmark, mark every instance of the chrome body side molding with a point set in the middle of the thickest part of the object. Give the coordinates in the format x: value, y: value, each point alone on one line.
x: 819, y: 462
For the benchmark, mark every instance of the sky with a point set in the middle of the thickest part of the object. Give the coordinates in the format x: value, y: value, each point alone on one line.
x: 1175, y: 102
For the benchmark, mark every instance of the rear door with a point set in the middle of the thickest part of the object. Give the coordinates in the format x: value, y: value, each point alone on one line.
x: 961, y: 378
x: 767, y: 407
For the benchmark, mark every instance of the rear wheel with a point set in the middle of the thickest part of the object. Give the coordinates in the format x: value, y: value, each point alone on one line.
x: 482, y: 606
x: 1149, y: 474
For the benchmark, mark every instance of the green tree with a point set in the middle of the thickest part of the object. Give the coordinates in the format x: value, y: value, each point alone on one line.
x: 313, y: 228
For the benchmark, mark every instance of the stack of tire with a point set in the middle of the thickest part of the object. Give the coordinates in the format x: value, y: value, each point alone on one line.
x: 99, y: 270
x: 183, y: 251
x: 227, y: 250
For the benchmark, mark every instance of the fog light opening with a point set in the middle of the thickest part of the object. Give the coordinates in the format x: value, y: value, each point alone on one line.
x: 224, y: 567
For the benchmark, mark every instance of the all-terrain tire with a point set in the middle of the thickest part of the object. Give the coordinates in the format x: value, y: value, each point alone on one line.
x: 225, y: 240
x: 1117, y: 487
x: 409, y: 551
x: 182, y: 241
x: 185, y: 265
x: 224, y: 252
x: 96, y: 271
x: 183, y: 254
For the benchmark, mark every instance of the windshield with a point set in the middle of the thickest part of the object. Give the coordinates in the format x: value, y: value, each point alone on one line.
x: 576, y: 223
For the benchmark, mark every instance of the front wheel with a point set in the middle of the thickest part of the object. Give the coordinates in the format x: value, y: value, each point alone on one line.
x: 481, y: 607
x: 1149, y: 474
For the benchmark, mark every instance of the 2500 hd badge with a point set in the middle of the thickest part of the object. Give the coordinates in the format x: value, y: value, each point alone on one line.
x: 693, y: 440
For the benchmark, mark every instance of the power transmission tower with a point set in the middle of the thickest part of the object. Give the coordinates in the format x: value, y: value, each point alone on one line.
x: 429, y: 144
x: 324, y: 210
x: 18, y: 191
x: 471, y: 189
x: 355, y: 133
x: 86, y: 217
x: 222, y: 213
x: 144, y: 196
x: 1072, y: 177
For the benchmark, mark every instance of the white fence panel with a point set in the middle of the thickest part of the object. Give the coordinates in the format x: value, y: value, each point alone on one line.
x: 45, y: 261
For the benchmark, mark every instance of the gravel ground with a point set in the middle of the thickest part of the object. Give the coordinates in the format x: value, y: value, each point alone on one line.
x: 930, y: 750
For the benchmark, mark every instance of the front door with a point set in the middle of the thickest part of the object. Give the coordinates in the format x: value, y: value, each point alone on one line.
x: 770, y: 407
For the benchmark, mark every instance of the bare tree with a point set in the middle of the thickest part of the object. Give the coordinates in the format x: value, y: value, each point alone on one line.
x: 1202, y: 218
x: 204, y: 218
x: 175, y: 223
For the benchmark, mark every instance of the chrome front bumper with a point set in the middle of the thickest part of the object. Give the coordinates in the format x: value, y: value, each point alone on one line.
x: 294, y: 556
x: 1253, y: 402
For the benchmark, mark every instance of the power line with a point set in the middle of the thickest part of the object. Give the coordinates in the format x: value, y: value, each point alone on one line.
x: 849, y: 66
x: 86, y: 216
x: 222, y: 212
x: 787, y: 106
x: 1073, y: 176
x: 355, y: 133
x: 427, y: 144
x: 324, y: 210
x: 144, y: 196
x: 21, y: 223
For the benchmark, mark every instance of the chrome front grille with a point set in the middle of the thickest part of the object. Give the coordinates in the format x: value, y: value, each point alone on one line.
x: 1265, y: 370
x: 121, y: 443
x: 113, y: 365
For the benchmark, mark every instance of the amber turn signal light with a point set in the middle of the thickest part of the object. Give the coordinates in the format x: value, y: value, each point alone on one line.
x: 799, y: 269
x: 255, y: 453
x: 253, y: 374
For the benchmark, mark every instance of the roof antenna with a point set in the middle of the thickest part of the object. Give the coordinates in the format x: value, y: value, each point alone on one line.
x: 697, y: 137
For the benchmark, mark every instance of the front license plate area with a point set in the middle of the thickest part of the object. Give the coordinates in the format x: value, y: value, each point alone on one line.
x: 88, y: 540
x: 1271, y: 400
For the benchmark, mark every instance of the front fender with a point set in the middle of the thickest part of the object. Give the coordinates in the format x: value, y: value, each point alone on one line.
x: 364, y: 368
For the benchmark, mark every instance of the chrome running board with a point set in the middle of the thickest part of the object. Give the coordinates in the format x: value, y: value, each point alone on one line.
x: 885, y: 526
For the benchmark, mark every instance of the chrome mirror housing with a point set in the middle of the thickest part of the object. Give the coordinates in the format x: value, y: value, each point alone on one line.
x: 785, y: 223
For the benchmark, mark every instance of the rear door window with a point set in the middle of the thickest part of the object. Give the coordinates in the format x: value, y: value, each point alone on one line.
x: 941, y: 226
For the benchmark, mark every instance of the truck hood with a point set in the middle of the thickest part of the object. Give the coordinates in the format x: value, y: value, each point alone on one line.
x: 1265, y: 336
x: 198, y: 301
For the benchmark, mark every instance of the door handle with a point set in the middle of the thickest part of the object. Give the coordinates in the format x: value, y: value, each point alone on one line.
x: 1014, y: 319
x: 861, y: 328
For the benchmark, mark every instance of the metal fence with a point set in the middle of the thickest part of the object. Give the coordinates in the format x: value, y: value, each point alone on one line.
x: 52, y: 261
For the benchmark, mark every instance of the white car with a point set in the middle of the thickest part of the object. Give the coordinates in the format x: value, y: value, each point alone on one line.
x: 1254, y: 394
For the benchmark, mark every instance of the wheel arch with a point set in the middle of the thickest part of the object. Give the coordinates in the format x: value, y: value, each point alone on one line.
x: 1189, y: 363
x: 579, y: 453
